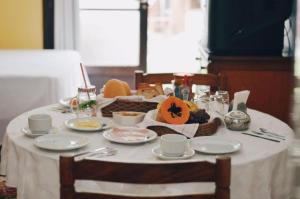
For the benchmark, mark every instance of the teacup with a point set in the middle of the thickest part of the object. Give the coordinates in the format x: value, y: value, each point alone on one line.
x: 39, y: 123
x: 173, y: 145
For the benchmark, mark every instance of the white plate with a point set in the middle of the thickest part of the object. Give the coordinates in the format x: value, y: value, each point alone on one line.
x: 215, y: 145
x: 61, y: 142
x: 28, y: 132
x: 187, y: 154
x: 65, y: 102
x: 73, y: 124
x: 129, y: 135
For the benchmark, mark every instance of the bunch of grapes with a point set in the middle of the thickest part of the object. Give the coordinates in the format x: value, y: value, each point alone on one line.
x: 200, y: 116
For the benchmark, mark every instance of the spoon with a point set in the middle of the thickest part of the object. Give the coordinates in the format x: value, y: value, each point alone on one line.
x: 268, y: 132
x: 109, y: 152
x: 270, y: 135
x: 93, y: 151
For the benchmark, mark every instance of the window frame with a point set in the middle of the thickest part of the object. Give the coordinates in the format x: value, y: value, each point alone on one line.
x: 48, y: 24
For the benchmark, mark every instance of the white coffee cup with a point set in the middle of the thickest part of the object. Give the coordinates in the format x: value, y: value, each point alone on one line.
x: 39, y: 123
x: 173, y: 145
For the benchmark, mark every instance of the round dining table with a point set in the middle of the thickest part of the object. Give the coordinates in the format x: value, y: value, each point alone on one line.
x: 259, y: 169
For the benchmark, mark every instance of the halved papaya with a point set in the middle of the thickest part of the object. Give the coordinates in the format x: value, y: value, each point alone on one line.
x: 173, y: 111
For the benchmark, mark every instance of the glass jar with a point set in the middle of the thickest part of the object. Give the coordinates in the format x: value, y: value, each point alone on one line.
x: 87, y: 104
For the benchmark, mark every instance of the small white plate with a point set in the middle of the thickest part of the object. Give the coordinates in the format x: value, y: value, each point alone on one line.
x: 187, y: 154
x: 129, y: 135
x: 60, y: 142
x: 215, y: 145
x: 75, y: 124
x: 29, y: 133
x: 65, y: 101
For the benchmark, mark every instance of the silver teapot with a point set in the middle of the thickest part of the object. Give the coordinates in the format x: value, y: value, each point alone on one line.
x: 237, y: 120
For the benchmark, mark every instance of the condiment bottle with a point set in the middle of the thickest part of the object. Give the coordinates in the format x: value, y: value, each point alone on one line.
x: 185, y: 90
x: 177, y: 89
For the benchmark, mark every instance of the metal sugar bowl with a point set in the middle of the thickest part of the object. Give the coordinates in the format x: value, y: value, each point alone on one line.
x: 237, y: 120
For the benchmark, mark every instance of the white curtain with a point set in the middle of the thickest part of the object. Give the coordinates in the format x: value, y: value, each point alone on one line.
x: 66, y: 24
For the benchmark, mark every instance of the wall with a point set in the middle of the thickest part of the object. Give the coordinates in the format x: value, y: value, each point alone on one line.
x: 21, y: 24
x: 269, y: 79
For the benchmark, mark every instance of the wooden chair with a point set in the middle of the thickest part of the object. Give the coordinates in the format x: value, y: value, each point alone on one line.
x: 215, y: 81
x: 70, y: 171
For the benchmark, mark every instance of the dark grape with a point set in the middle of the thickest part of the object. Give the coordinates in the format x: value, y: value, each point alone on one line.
x: 200, y: 116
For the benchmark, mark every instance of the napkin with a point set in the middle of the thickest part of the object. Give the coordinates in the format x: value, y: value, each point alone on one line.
x: 240, y: 97
x: 188, y: 130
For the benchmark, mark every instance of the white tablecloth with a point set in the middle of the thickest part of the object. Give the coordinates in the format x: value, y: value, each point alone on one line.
x: 259, y: 169
x: 34, y: 78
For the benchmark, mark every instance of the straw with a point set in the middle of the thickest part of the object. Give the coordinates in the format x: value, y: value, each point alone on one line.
x: 83, y: 75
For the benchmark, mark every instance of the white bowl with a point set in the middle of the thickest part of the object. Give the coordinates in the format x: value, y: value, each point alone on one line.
x: 128, y: 118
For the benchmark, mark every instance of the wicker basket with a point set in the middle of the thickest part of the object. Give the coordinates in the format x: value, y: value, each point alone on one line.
x: 125, y: 105
x: 206, y: 129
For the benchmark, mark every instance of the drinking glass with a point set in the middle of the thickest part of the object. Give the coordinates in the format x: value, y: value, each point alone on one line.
x: 222, y: 98
x: 225, y: 96
x: 202, y: 96
x: 214, y: 104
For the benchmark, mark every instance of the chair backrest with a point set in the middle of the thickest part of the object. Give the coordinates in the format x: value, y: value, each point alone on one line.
x: 71, y: 170
x: 215, y: 81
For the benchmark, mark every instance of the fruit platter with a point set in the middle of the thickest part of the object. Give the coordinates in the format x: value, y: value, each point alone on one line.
x: 170, y: 112
x: 174, y: 112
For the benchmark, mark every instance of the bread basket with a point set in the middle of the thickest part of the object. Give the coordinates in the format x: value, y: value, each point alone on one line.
x: 127, y: 105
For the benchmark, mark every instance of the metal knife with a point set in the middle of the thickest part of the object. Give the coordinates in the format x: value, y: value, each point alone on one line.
x: 269, y: 135
x: 261, y: 137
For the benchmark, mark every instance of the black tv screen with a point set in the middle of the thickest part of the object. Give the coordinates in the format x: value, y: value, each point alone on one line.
x: 247, y: 27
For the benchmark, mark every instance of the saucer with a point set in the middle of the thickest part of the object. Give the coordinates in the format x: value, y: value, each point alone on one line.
x: 28, y: 132
x: 187, y: 154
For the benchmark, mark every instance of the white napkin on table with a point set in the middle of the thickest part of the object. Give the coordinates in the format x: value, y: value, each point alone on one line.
x: 240, y: 97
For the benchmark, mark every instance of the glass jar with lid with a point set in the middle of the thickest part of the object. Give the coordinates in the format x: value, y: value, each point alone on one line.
x: 87, y: 104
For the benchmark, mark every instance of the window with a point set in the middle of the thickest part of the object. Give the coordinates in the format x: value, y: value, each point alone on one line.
x: 109, y: 32
x: 174, y: 32
x: 164, y: 36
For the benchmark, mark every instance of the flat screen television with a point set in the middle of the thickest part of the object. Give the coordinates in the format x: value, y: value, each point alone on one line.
x: 247, y: 27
